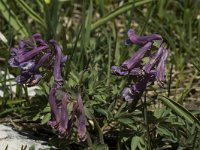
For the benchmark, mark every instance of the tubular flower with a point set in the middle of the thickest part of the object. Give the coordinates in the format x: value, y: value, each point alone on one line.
x: 30, y: 56
x: 149, y: 72
x: 60, y: 120
x: 160, y: 70
x: 129, y: 93
x: 141, y: 40
x: 81, y: 120
x: 137, y: 57
x: 57, y: 64
x: 58, y: 101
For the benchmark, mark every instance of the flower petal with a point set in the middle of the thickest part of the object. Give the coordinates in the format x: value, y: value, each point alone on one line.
x: 81, y: 120
x: 34, y: 80
x: 64, y: 117
x: 42, y: 60
x: 160, y: 70
x: 153, y: 60
x: 142, y: 40
x: 127, y: 94
x: 28, y: 65
x: 29, y: 54
x: 12, y: 62
x: 117, y: 70
x: 137, y: 57
x: 63, y: 60
x: 53, y: 105
x: 57, y: 64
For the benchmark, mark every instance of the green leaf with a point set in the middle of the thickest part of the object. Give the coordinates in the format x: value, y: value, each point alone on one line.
x: 122, y: 9
x: 46, y: 109
x: 120, y: 109
x: 74, y: 76
x: 126, y: 121
x: 164, y: 131
x: 180, y: 110
x: 3, y: 38
x: 89, y: 112
x: 39, y: 92
x: 12, y: 19
x: 135, y: 142
x: 101, y: 147
x: 30, y: 12
x: 16, y: 101
x: 46, y: 118
x: 102, y: 111
x: 37, y: 116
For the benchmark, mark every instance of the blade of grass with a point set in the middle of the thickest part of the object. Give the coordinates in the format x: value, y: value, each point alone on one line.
x: 51, y: 18
x: 124, y: 8
x: 180, y: 110
x: 13, y: 109
x: 27, y: 9
x: 11, y: 17
x: 108, y: 37
x: 150, y: 11
x: 86, y: 30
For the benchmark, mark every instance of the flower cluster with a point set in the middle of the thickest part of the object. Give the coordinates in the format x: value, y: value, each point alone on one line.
x: 31, y: 56
x: 58, y: 101
x: 151, y: 71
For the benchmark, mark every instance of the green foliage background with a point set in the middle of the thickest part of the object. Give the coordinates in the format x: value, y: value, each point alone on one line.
x: 92, y: 33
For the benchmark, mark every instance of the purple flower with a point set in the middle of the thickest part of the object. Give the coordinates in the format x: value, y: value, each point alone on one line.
x: 29, y: 57
x: 141, y: 85
x: 32, y: 54
x: 27, y: 65
x: 82, y: 135
x: 58, y: 103
x: 118, y: 70
x: 60, y: 120
x: 12, y: 62
x: 57, y: 64
x: 129, y: 93
x: 23, y: 77
x: 34, y: 80
x: 42, y: 60
x: 137, y: 57
x: 141, y: 40
x: 147, y: 72
x: 63, y: 125
x: 154, y: 59
x: 63, y: 60
x: 55, y: 116
x: 136, y: 72
x: 160, y: 70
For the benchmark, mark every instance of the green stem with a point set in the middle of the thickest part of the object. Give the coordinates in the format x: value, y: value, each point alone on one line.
x: 26, y: 93
x: 109, y: 58
x: 170, y: 81
x: 146, y: 124
x: 101, y: 140
x: 89, y: 141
